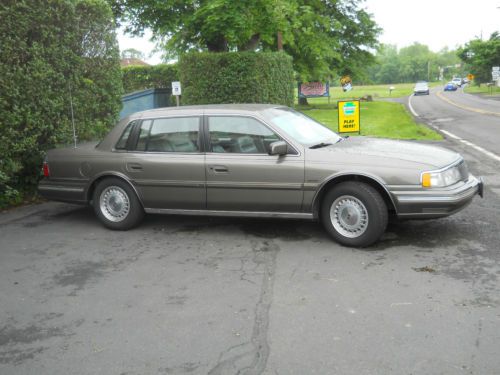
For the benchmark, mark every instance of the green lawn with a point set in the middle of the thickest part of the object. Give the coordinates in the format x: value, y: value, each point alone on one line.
x: 376, y: 91
x: 483, y: 89
x: 378, y: 119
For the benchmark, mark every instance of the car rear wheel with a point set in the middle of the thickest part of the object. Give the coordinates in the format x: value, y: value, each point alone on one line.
x: 354, y: 214
x: 116, y: 204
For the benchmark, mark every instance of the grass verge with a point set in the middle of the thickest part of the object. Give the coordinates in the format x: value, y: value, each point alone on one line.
x: 483, y: 89
x: 378, y: 119
x: 375, y: 91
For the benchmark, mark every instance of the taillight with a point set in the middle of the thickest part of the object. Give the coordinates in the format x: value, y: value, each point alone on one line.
x: 46, y: 170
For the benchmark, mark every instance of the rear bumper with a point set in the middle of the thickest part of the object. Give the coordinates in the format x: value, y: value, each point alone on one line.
x: 434, y: 203
x: 73, y: 192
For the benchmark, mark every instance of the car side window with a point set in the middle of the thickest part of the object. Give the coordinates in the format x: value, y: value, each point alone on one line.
x: 240, y: 135
x: 175, y: 134
x: 122, y: 142
x: 142, y: 138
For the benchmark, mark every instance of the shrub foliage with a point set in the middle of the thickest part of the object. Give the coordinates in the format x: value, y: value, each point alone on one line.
x: 237, y: 77
x: 141, y: 77
x: 52, y: 51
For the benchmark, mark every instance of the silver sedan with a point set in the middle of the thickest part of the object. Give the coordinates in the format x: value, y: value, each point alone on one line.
x: 257, y: 160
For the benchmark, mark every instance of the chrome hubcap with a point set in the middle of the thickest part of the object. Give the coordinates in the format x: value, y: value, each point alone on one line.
x: 114, y: 203
x: 349, y: 216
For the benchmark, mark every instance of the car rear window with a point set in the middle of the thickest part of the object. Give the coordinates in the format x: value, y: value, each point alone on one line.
x: 122, y: 143
x: 176, y: 134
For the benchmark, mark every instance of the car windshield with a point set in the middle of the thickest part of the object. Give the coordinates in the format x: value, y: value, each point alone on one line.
x: 302, y: 128
x: 421, y: 85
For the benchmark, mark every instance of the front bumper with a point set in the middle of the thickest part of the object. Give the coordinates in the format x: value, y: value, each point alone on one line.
x: 438, y: 202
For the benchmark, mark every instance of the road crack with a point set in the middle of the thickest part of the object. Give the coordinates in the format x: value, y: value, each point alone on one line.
x: 250, y: 358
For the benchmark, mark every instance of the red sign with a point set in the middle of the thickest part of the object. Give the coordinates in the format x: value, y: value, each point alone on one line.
x: 313, y: 89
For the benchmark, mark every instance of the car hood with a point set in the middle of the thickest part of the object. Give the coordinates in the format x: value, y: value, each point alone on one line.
x: 374, y: 151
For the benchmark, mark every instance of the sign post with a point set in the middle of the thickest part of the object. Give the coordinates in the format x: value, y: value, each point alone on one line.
x: 349, y: 116
x: 176, y: 90
x: 495, y: 75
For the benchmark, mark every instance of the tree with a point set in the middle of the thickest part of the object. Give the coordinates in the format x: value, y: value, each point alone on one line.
x: 480, y: 56
x: 54, y: 53
x: 324, y: 37
x: 132, y: 53
x: 387, y: 67
x: 411, y: 63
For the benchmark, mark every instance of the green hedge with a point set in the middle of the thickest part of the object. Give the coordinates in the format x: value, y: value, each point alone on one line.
x: 51, y: 50
x: 237, y: 77
x: 140, y: 77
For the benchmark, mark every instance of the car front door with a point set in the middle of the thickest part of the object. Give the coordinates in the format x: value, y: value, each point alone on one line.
x: 166, y: 164
x: 242, y: 176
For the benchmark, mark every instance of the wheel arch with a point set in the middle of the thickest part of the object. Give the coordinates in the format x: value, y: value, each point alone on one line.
x: 373, y: 181
x: 102, y: 176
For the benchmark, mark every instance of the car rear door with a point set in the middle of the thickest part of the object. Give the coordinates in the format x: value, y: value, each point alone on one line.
x: 166, y: 163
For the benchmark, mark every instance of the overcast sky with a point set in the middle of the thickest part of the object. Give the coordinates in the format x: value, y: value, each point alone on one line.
x: 436, y: 23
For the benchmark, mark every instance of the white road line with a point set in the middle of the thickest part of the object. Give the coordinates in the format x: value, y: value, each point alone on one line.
x: 470, y: 144
x: 411, y: 107
x: 451, y: 135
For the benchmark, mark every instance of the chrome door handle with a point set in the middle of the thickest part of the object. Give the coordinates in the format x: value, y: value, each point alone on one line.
x: 219, y: 169
x: 134, y: 167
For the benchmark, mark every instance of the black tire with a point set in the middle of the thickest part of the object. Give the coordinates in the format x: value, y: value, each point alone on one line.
x: 362, y: 216
x: 112, y: 193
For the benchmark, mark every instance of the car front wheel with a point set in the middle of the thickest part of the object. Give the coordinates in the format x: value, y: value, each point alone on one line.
x: 116, y: 204
x: 354, y: 214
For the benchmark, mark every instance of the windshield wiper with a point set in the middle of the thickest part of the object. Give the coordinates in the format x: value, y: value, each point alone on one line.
x: 320, y: 145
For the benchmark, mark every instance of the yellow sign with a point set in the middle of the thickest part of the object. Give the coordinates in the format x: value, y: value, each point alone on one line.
x: 349, y: 118
x: 470, y: 77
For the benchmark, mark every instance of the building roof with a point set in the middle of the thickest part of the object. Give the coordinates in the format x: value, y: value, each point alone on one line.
x: 132, y: 61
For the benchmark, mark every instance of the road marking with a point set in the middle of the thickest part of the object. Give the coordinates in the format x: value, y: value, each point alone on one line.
x: 470, y: 144
x: 451, y: 135
x: 477, y: 110
x: 411, y: 107
x: 447, y: 119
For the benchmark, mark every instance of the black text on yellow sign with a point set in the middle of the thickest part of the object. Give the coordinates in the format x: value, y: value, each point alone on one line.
x: 349, y: 116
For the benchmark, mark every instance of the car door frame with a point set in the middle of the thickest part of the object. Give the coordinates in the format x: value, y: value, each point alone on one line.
x: 135, y: 156
x: 296, y: 153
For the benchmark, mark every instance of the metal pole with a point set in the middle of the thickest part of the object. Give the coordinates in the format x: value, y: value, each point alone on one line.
x: 177, y: 100
x: 72, y: 116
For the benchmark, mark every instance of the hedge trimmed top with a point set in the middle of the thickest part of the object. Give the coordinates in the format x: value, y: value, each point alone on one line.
x: 140, y: 77
x: 242, y: 77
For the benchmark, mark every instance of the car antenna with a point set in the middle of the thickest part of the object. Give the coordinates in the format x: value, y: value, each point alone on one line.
x: 72, y: 115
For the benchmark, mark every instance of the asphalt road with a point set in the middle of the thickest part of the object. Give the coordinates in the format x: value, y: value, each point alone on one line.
x: 469, y: 117
x: 183, y: 295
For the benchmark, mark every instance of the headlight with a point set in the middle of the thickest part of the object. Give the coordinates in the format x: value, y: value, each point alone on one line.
x: 441, y: 178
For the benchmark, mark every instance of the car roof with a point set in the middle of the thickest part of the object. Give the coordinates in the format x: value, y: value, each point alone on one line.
x: 205, y: 109
x: 193, y: 110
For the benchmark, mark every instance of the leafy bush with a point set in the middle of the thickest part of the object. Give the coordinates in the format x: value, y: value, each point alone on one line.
x: 53, y: 51
x: 237, y: 77
x: 141, y: 77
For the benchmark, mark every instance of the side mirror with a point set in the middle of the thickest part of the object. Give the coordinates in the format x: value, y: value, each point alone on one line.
x: 278, y: 148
